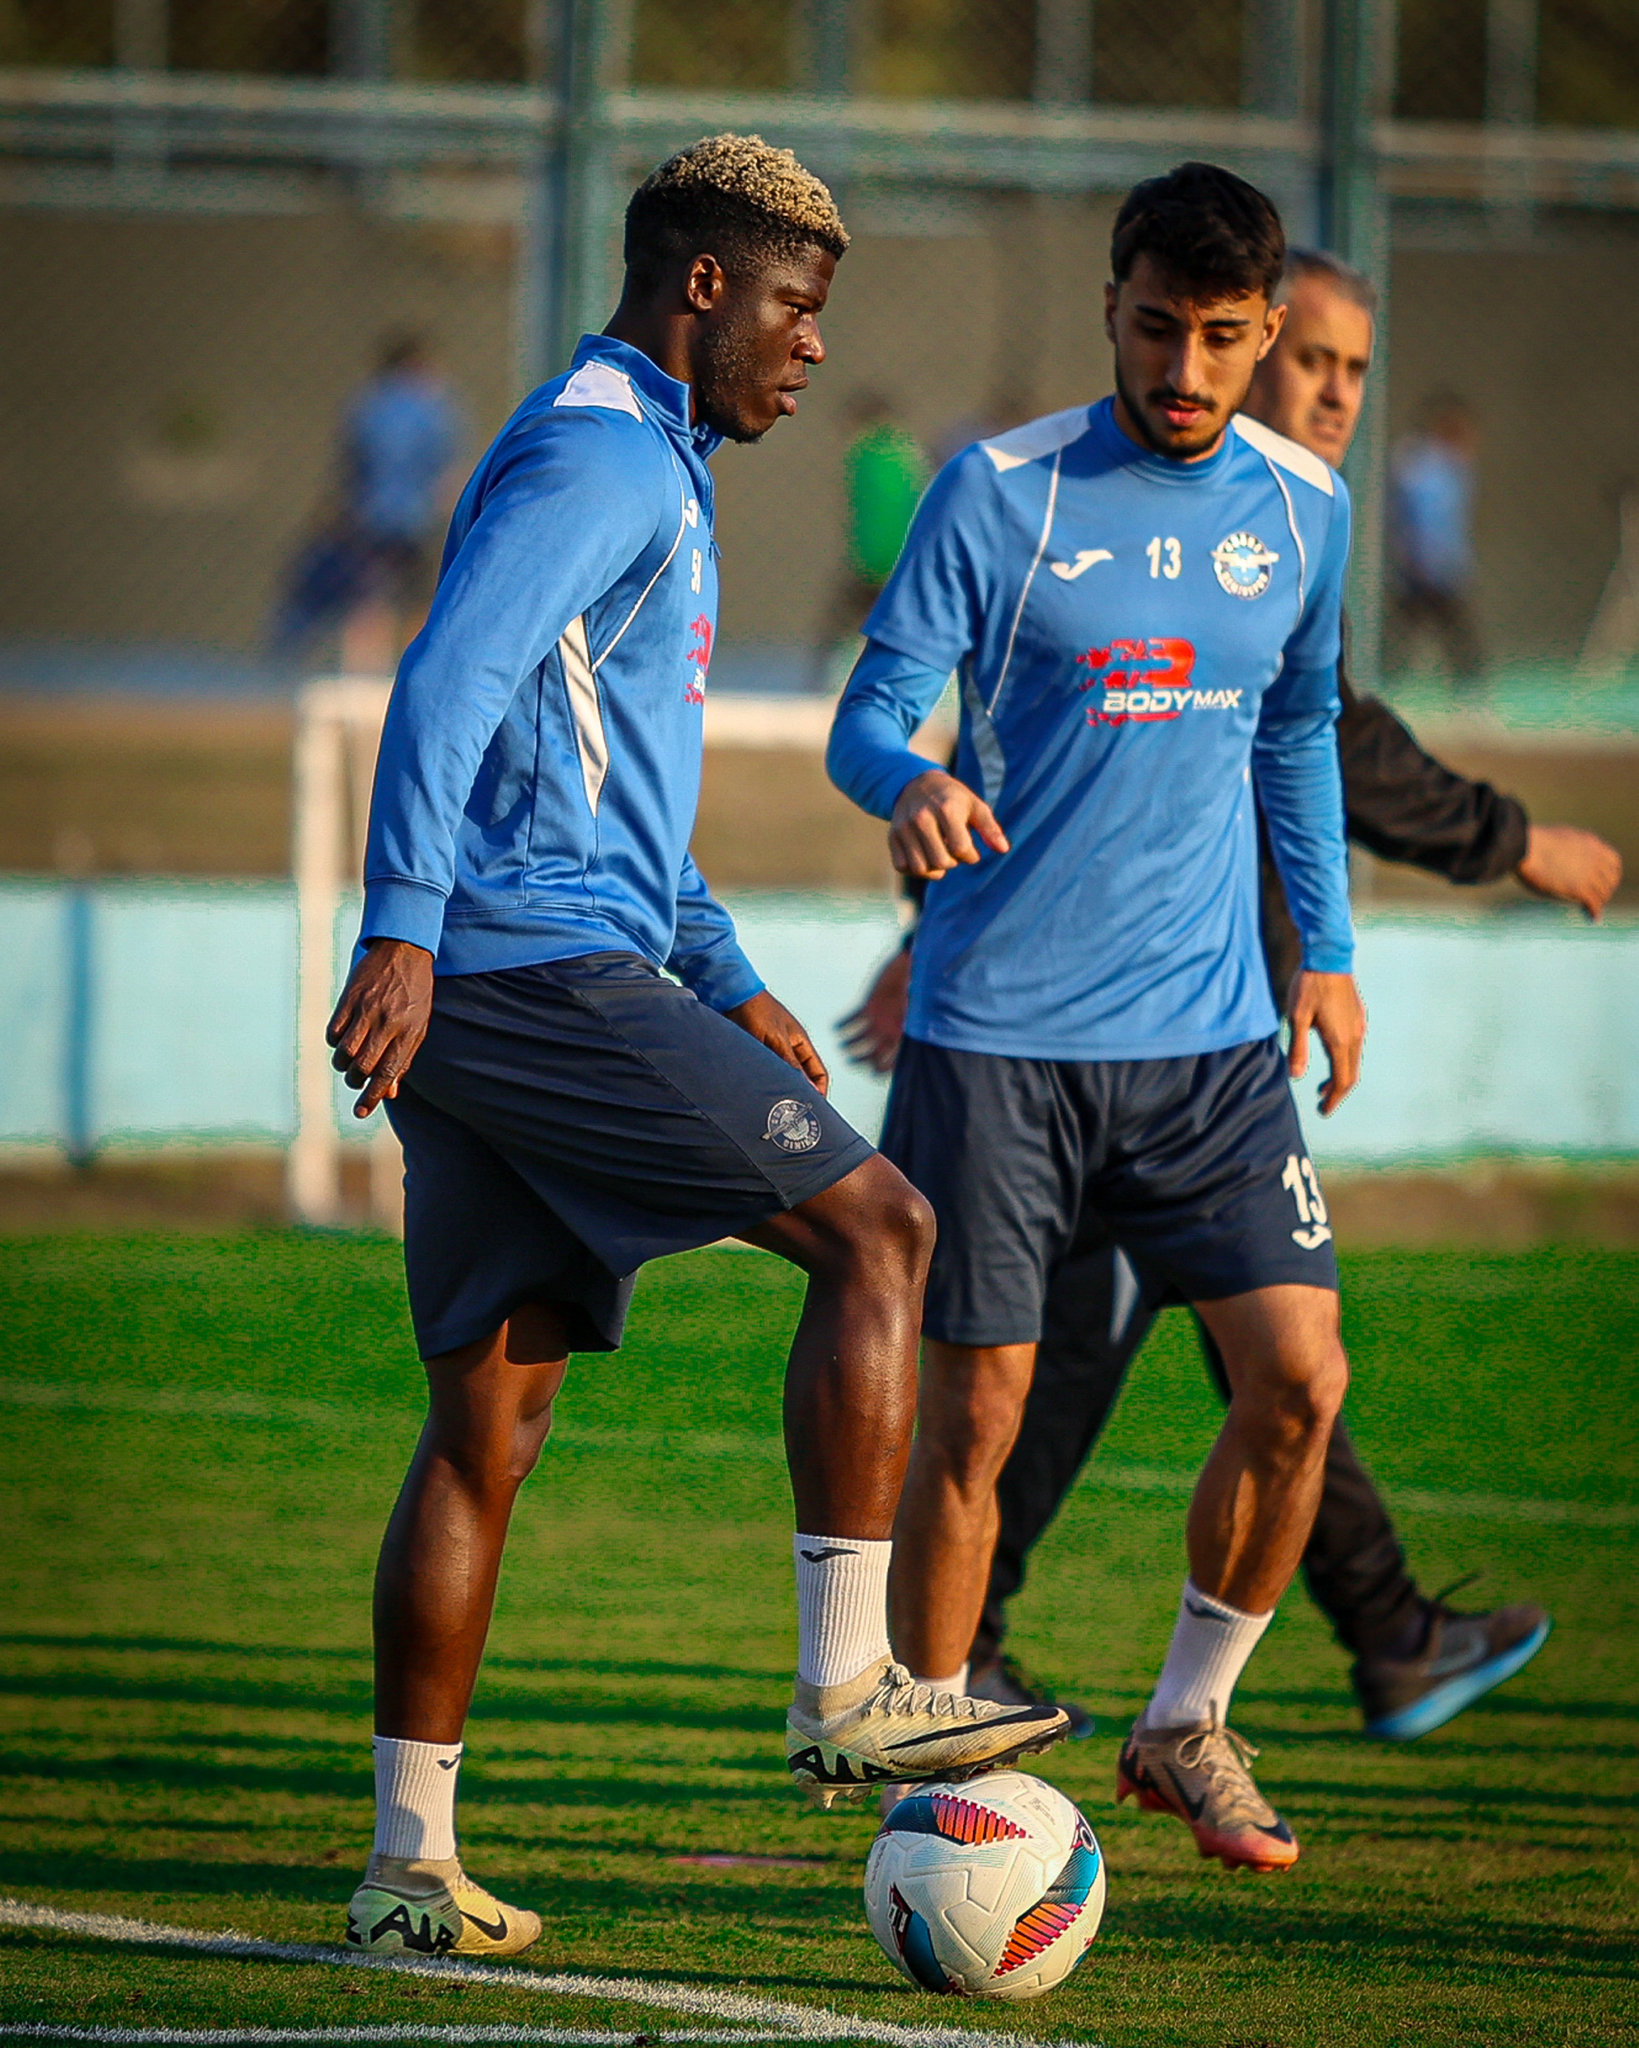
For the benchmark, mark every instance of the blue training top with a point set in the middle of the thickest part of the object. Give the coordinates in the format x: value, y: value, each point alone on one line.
x: 1135, y: 638
x: 540, y: 764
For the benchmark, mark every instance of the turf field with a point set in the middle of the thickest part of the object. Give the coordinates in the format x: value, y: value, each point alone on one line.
x: 200, y: 1442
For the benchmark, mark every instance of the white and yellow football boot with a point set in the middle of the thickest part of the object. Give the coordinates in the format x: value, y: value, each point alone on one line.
x: 844, y: 1741
x: 411, y: 1908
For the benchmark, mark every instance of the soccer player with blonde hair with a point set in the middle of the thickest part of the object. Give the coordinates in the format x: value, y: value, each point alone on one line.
x: 566, y: 1111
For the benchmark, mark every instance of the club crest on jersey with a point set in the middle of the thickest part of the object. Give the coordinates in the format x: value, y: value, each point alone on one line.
x: 1242, y: 564
x: 700, y: 654
x: 792, y: 1126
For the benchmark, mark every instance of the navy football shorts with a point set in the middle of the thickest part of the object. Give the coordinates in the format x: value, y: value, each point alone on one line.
x: 562, y: 1123
x: 1195, y: 1167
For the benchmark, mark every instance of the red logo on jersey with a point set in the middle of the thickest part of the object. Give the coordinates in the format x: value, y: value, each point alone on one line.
x: 700, y: 654
x: 1140, y: 680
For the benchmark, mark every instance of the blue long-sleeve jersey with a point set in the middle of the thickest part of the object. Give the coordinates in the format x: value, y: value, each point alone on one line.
x: 540, y: 764
x: 1135, y: 639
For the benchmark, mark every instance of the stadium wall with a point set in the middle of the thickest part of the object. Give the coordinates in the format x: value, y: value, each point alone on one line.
x: 143, y: 1014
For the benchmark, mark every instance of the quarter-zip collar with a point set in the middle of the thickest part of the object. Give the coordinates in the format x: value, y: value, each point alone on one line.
x: 669, y: 399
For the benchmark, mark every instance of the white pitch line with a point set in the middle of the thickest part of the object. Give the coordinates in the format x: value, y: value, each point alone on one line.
x: 233, y: 1406
x: 265, y: 2037
x: 792, y: 2022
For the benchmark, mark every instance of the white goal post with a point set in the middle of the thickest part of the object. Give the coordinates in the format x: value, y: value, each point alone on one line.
x: 338, y: 732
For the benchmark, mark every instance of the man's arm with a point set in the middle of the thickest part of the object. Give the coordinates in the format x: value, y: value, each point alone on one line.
x: 1300, y: 789
x: 542, y: 549
x: 706, y: 958
x: 1404, y: 804
x: 934, y: 819
x: 546, y: 544
x: 926, y: 623
x: 706, y: 955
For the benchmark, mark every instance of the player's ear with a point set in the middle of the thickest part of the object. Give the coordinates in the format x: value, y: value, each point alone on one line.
x: 1273, y: 321
x: 704, y: 284
x: 1110, y: 292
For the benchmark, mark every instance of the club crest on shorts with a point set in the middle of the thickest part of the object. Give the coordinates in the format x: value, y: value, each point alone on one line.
x: 1242, y: 564
x: 793, y: 1126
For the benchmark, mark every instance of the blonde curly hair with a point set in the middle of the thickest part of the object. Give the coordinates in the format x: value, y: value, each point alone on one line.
x: 734, y: 196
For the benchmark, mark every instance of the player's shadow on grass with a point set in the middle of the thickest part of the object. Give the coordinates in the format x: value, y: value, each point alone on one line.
x: 605, y: 1667
x: 569, y: 1901
x: 1423, y: 1793
x: 180, y: 1877
x: 1249, y: 1698
x: 493, y: 1703
x: 94, y: 1952
x: 1447, y: 1745
x: 1424, y: 1943
x: 351, y: 1780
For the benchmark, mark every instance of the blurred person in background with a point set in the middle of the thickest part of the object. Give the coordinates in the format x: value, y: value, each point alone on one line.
x: 368, y: 568
x: 1418, y: 1661
x: 399, y: 443
x: 1431, y: 534
x: 884, y: 474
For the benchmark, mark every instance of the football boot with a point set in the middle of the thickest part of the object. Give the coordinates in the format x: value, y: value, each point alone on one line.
x: 1463, y: 1656
x: 432, y: 1908
x: 843, y: 1741
x: 1201, y: 1775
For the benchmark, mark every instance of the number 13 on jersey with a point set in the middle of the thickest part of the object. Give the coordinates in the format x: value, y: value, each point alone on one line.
x: 1166, y: 557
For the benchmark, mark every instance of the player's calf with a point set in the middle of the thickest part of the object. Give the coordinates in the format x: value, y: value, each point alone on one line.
x: 972, y: 1400
x: 489, y: 1412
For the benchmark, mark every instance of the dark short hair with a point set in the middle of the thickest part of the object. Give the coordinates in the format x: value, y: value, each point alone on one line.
x: 1343, y: 278
x: 1212, y: 234
x: 734, y: 197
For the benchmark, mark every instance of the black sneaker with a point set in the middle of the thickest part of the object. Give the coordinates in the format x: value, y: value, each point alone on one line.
x: 1000, y: 1680
x: 1465, y: 1655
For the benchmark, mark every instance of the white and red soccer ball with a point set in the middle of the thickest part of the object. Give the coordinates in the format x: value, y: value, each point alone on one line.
x: 991, y: 1888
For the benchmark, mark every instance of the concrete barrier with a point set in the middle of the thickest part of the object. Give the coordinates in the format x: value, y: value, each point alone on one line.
x: 158, y: 1013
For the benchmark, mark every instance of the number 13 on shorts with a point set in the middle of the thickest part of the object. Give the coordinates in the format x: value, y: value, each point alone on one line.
x: 1303, y: 1184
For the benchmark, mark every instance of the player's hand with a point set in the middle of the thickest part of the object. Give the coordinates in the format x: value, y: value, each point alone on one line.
x: 871, y: 1034
x: 935, y: 823
x: 1571, y: 866
x: 382, y: 1018
x: 1329, y: 1004
x: 773, y: 1025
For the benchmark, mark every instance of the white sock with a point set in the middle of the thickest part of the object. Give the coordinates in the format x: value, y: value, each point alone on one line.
x: 415, y: 1798
x: 1210, y: 1645
x: 842, y: 1607
x: 956, y: 1683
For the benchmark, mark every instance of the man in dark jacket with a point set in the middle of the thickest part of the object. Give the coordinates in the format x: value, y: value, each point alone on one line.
x: 1418, y: 1662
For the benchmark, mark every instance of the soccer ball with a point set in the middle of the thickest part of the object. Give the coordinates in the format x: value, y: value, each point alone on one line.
x: 993, y: 1888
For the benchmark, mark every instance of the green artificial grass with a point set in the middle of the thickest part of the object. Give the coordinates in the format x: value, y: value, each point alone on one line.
x: 199, y: 1443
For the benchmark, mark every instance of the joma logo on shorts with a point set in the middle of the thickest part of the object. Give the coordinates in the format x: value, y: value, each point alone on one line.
x: 1145, y: 681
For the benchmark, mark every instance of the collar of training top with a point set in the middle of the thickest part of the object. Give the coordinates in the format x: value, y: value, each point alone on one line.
x: 671, y: 400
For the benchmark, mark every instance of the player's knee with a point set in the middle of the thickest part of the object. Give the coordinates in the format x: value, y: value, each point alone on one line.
x: 1304, y: 1395
x: 529, y: 1434
x: 887, y: 1228
x: 493, y: 1453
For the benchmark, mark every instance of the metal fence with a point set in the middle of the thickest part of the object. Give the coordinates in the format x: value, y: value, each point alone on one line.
x: 212, y: 210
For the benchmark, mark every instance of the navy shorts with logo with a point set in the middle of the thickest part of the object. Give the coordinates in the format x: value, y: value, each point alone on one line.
x: 1196, y: 1167
x: 565, y: 1122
